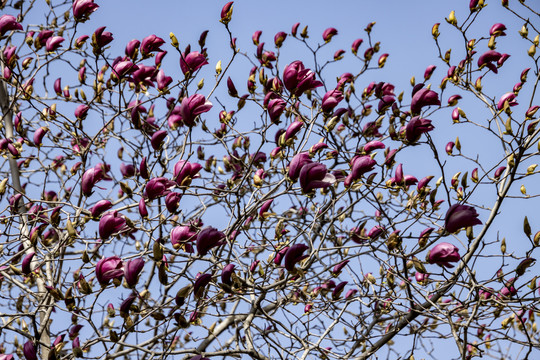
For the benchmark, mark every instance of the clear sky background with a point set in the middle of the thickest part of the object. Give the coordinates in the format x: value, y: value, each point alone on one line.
x: 402, y: 27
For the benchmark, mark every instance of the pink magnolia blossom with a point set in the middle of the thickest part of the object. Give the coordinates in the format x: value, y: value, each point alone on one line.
x: 8, y: 23
x: 108, y: 269
x: 111, y: 223
x: 329, y: 33
x: 151, y: 44
x: 191, y: 107
x: 294, y: 255
x: 297, y: 79
x: 443, y: 254
x: 192, y: 62
x: 315, y: 176
x: 460, y: 216
x: 422, y: 98
x: 208, y: 239
x: 83, y: 8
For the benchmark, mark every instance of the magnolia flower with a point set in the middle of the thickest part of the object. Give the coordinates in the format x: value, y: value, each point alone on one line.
x: 39, y: 134
x: 157, y: 187
x: 8, y: 23
x: 226, y: 13
x: 422, y: 98
x: 192, y: 106
x: 185, y: 171
x: 209, y: 238
x: 163, y: 80
x: 29, y: 350
x: 192, y: 62
x: 296, y: 164
x: 100, y: 39
x: 108, y: 269
x: 460, y: 216
x: 508, y: 99
x: 53, y: 43
x: 226, y: 274
x: 297, y: 79
x: 487, y: 58
x: 83, y: 8
x: 172, y: 201
x: 355, y: 45
x: 275, y: 109
x: 328, y: 34
x: 81, y: 111
x: 91, y: 177
x: 294, y: 255
x: 315, y: 176
x: 497, y: 30
x: 111, y: 223
x: 123, y: 68
x: 27, y: 263
x: 150, y: 44
x: 443, y: 254
x: 416, y: 127
x: 132, y: 47
x: 157, y: 139
x: 279, y: 38
x: 331, y: 99
x: 100, y: 207
x: 180, y: 235
x: 359, y: 166
x: 127, y: 170
x: 200, y: 284
x: 132, y: 270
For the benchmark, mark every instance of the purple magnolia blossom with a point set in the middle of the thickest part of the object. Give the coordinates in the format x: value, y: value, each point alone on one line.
x: 100, y: 207
x: 292, y: 130
x: 422, y: 98
x: 294, y: 255
x: 108, y: 269
x: 507, y: 99
x: 30, y: 351
x: 100, y: 39
x: 337, y: 268
x: 91, y: 177
x: 331, y: 99
x: 460, y: 216
x: 172, y: 201
x: 191, y: 107
x: 185, y: 171
x: 329, y: 33
x: 226, y: 14
x: 39, y: 134
x: 297, y: 79
x: 296, y: 164
x: 226, y: 274
x: 275, y: 109
x: 157, y: 187
x: 150, y: 44
x: 132, y: 269
x: 429, y: 71
x: 8, y: 23
x: 157, y: 139
x: 200, y: 284
x: 487, y: 59
x: 111, y: 223
x: 359, y: 166
x: 81, y: 111
x: 181, y: 235
x: 132, y: 48
x: 443, y: 254
x: 123, y: 68
x: 315, y: 176
x: 192, y: 62
x: 127, y: 170
x: 209, y: 238
x: 53, y: 43
x: 416, y: 127
x: 27, y: 263
x: 497, y: 30
x: 355, y: 45
x: 83, y: 8
x: 372, y: 145
x: 125, y: 306
x: 143, y: 169
x: 163, y: 80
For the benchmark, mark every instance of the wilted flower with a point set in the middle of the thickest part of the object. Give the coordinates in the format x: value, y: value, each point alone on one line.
x: 423, y: 97
x: 416, y: 127
x: 108, y: 269
x: 443, y: 254
x: 157, y: 187
x: 294, y: 255
x: 209, y: 238
x: 132, y: 270
x: 8, y: 23
x: 111, y: 223
x: 192, y: 62
x: 460, y: 216
x: 297, y: 79
x: 315, y: 176
x: 83, y: 8
x: 359, y: 166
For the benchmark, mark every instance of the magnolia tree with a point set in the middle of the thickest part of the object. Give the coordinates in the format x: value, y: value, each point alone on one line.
x: 147, y: 213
